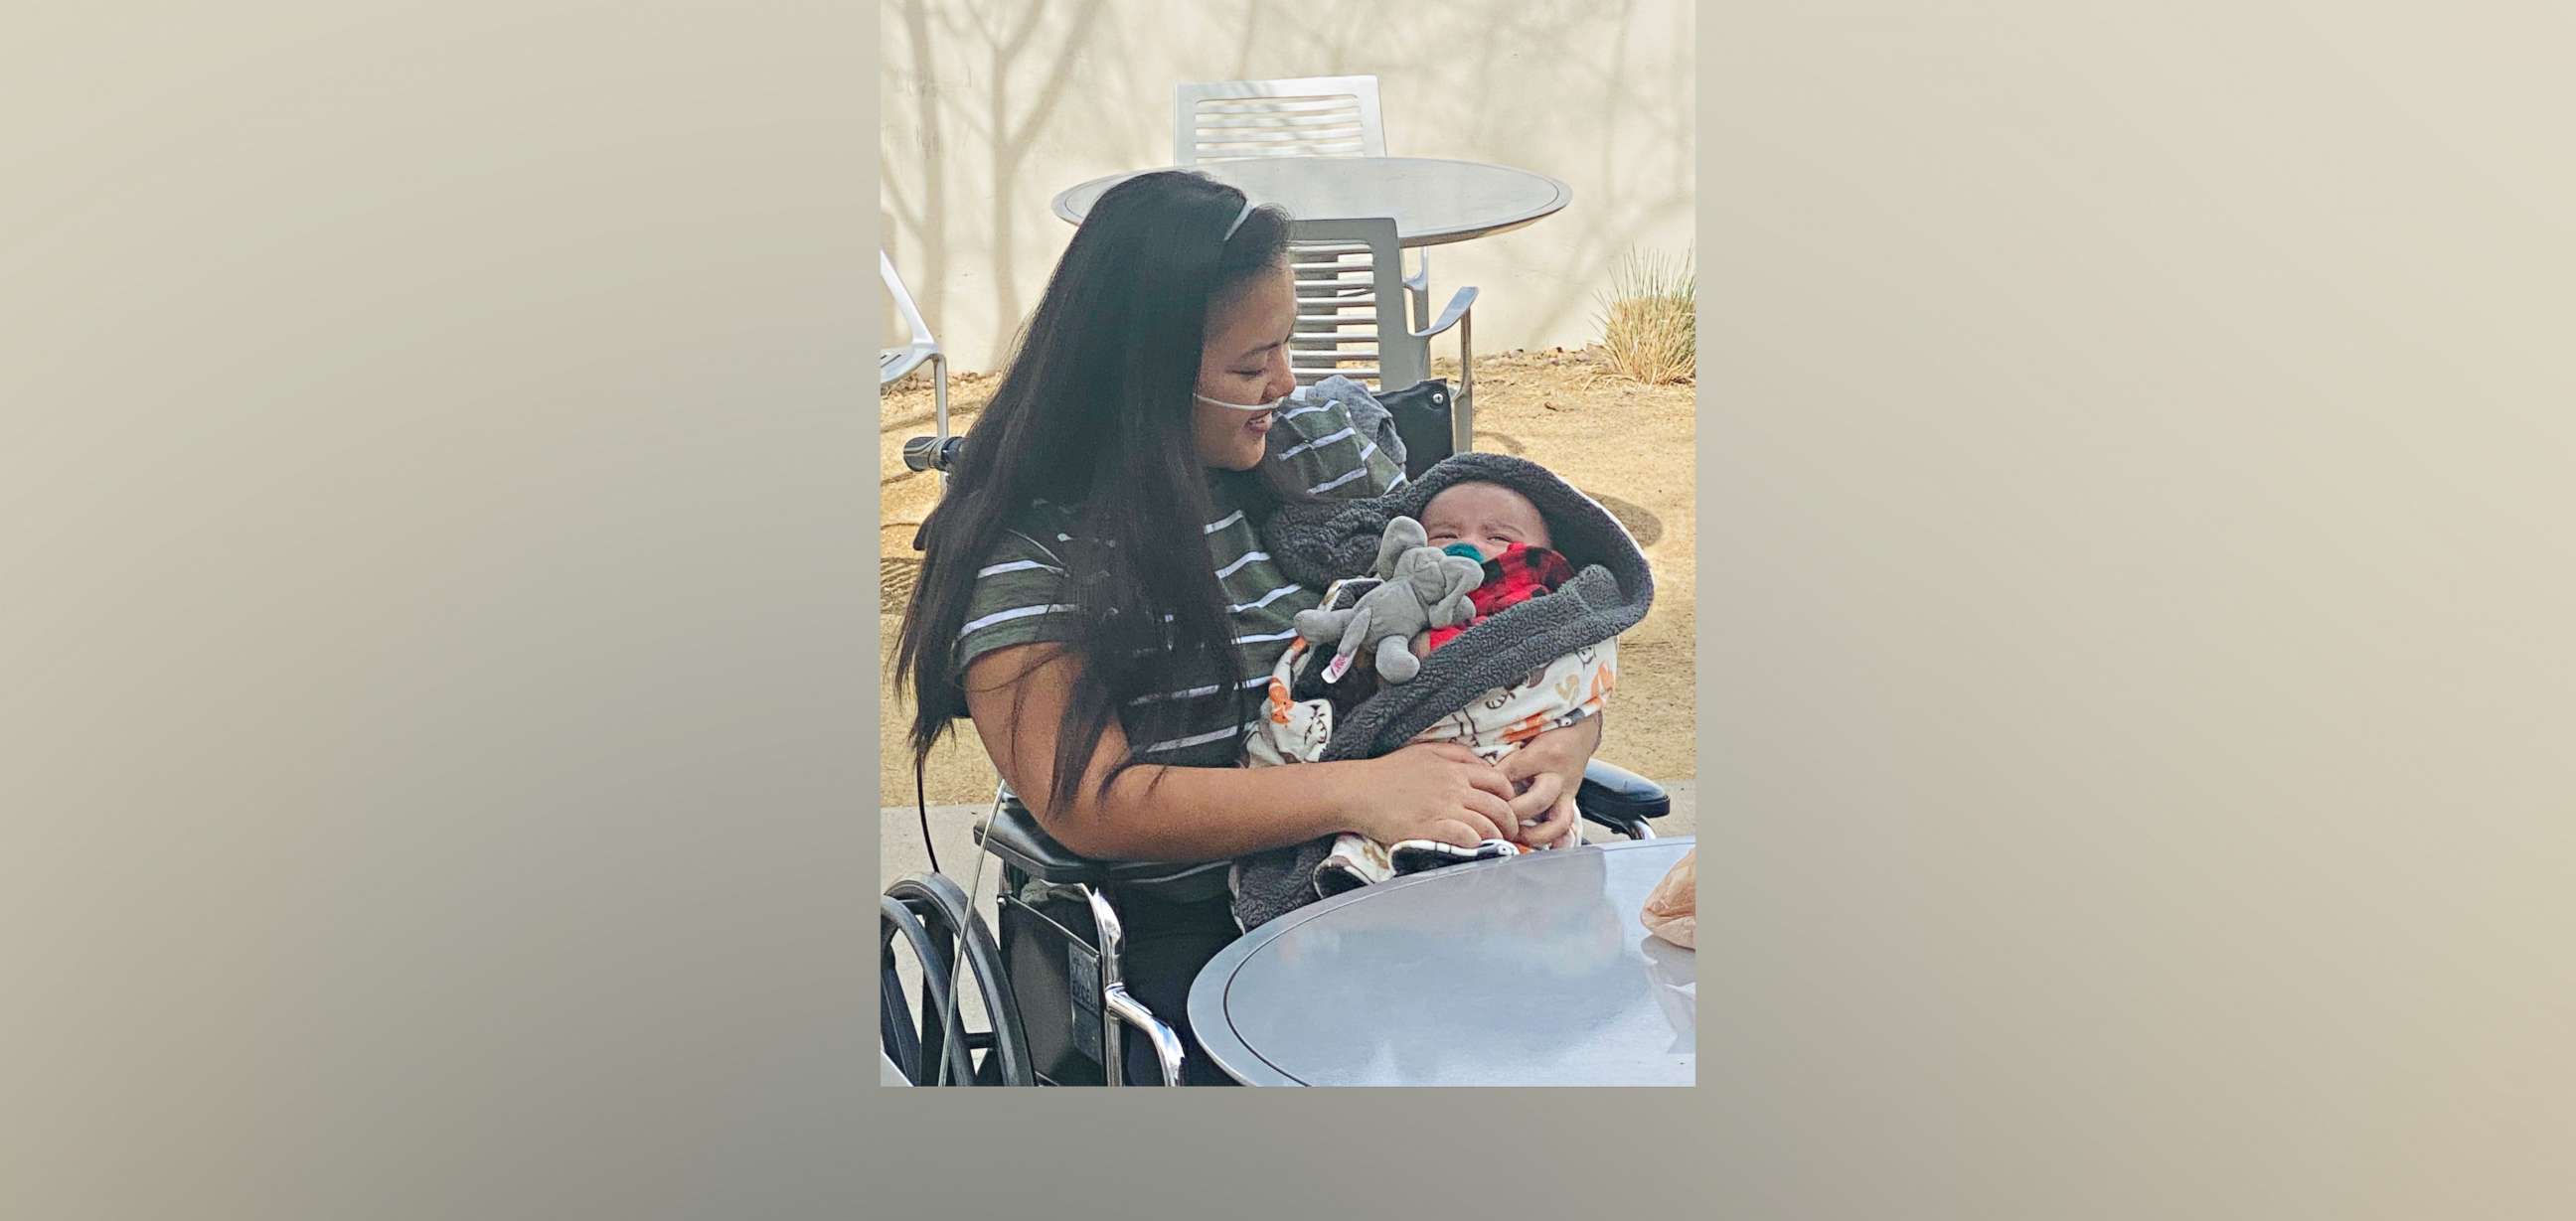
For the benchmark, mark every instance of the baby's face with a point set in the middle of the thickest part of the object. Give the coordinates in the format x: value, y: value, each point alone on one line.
x: 1487, y: 516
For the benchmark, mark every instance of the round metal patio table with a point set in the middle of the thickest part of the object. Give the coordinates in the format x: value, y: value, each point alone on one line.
x: 1433, y: 201
x: 1526, y: 971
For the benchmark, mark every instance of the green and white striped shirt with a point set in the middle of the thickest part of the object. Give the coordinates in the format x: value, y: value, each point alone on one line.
x: 1021, y: 589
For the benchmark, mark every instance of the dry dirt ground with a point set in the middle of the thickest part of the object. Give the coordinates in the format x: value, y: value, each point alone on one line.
x: 1628, y: 446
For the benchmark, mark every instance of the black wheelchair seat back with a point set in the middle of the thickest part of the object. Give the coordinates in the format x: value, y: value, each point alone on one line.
x: 1422, y: 421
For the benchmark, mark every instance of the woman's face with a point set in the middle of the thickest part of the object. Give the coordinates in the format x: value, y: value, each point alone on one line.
x: 1244, y: 360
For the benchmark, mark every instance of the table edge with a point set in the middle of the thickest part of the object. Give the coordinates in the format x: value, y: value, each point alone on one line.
x: 1213, y: 979
x: 1435, y: 237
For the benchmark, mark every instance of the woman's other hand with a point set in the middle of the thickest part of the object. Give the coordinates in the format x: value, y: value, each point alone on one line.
x: 1559, y: 754
x: 1554, y: 828
x: 1547, y: 812
x: 1438, y: 791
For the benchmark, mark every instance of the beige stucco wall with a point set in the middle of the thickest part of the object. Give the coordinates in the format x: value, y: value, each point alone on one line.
x: 993, y: 106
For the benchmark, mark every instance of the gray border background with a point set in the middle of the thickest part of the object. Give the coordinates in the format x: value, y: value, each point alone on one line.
x: 438, y: 615
x: 2136, y: 507
x: 436, y: 630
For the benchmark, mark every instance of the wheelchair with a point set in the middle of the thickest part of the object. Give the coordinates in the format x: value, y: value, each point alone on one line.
x: 1057, y: 1009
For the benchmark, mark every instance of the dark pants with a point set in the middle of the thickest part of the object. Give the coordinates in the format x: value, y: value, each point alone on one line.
x: 1167, y: 943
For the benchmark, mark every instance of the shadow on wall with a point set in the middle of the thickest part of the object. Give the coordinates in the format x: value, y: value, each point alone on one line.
x: 974, y: 89
x: 1473, y: 79
x: 1001, y: 119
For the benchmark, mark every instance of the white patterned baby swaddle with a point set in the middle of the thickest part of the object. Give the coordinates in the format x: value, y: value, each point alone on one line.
x: 1496, y: 723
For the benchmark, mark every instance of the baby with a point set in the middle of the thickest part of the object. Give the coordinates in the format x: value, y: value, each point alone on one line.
x: 1505, y: 531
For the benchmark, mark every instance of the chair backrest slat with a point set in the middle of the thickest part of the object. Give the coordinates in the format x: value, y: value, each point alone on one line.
x: 1351, y: 305
x: 1311, y: 116
x: 1345, y: 118
x: 1249, y: 138
x: 1280, y: 97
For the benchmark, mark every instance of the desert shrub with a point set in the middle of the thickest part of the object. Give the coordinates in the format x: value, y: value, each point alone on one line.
x: 1650, y: 319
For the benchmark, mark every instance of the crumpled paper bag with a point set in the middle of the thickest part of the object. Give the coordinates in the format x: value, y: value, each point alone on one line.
x: 1672, y: 908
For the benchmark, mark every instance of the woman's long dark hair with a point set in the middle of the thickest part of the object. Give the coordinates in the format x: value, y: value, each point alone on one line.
x: 1094, y: 413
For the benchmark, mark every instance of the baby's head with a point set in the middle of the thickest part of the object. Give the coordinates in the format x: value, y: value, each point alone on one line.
x: 1486, y: 516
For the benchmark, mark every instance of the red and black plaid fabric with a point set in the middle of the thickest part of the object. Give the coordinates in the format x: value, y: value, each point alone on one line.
x: 1520, y: 573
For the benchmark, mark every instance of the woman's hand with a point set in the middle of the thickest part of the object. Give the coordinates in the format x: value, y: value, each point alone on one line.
x: 1558, y: 755
x: 1434, y: 790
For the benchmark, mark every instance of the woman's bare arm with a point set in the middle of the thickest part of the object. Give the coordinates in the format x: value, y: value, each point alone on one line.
x: 1018, y: 696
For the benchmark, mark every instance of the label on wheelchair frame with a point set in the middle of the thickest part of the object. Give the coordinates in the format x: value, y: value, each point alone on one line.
x: 1083, y: 970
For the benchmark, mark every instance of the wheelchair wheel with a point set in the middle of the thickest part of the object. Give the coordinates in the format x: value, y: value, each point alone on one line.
x: 934, y: 920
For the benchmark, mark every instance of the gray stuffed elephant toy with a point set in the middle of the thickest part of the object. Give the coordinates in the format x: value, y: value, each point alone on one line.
x: 1421, y: 587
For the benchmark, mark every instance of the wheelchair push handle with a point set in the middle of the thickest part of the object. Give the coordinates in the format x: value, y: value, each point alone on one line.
x: 931, y: 454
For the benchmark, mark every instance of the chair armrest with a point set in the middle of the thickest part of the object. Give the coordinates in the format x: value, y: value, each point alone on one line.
x: 1458, y: 307
x: 896, y: 364
x: 1014, y: 835
x: 1621, y: 799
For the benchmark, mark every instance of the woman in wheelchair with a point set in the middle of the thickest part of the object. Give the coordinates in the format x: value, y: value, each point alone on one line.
x: 1095, y: 597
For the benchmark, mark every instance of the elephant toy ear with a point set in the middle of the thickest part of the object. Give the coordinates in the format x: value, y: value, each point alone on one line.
x: 1428, y: 574
x: 1402, y: 534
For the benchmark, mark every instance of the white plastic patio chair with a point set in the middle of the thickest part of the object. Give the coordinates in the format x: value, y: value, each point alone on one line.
x: 1306, y: 116
x: 894, y: 364
x: 1351, y: 308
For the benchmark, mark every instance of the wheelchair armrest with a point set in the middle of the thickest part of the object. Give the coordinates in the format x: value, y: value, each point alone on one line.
x: 1621, y: 799
x: 1014, y: 835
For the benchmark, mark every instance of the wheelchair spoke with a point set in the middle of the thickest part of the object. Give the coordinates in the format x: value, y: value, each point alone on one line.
x: 901, y: 1041
x: 950, y: 923
x: 942, y: 1061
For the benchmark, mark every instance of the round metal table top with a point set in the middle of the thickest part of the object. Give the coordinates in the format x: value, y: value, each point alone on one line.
x: 1432, y: 201
x: 1527, y: 971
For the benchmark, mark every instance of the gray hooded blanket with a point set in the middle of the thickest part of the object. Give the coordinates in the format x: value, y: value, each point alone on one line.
x: 1318, y: 544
